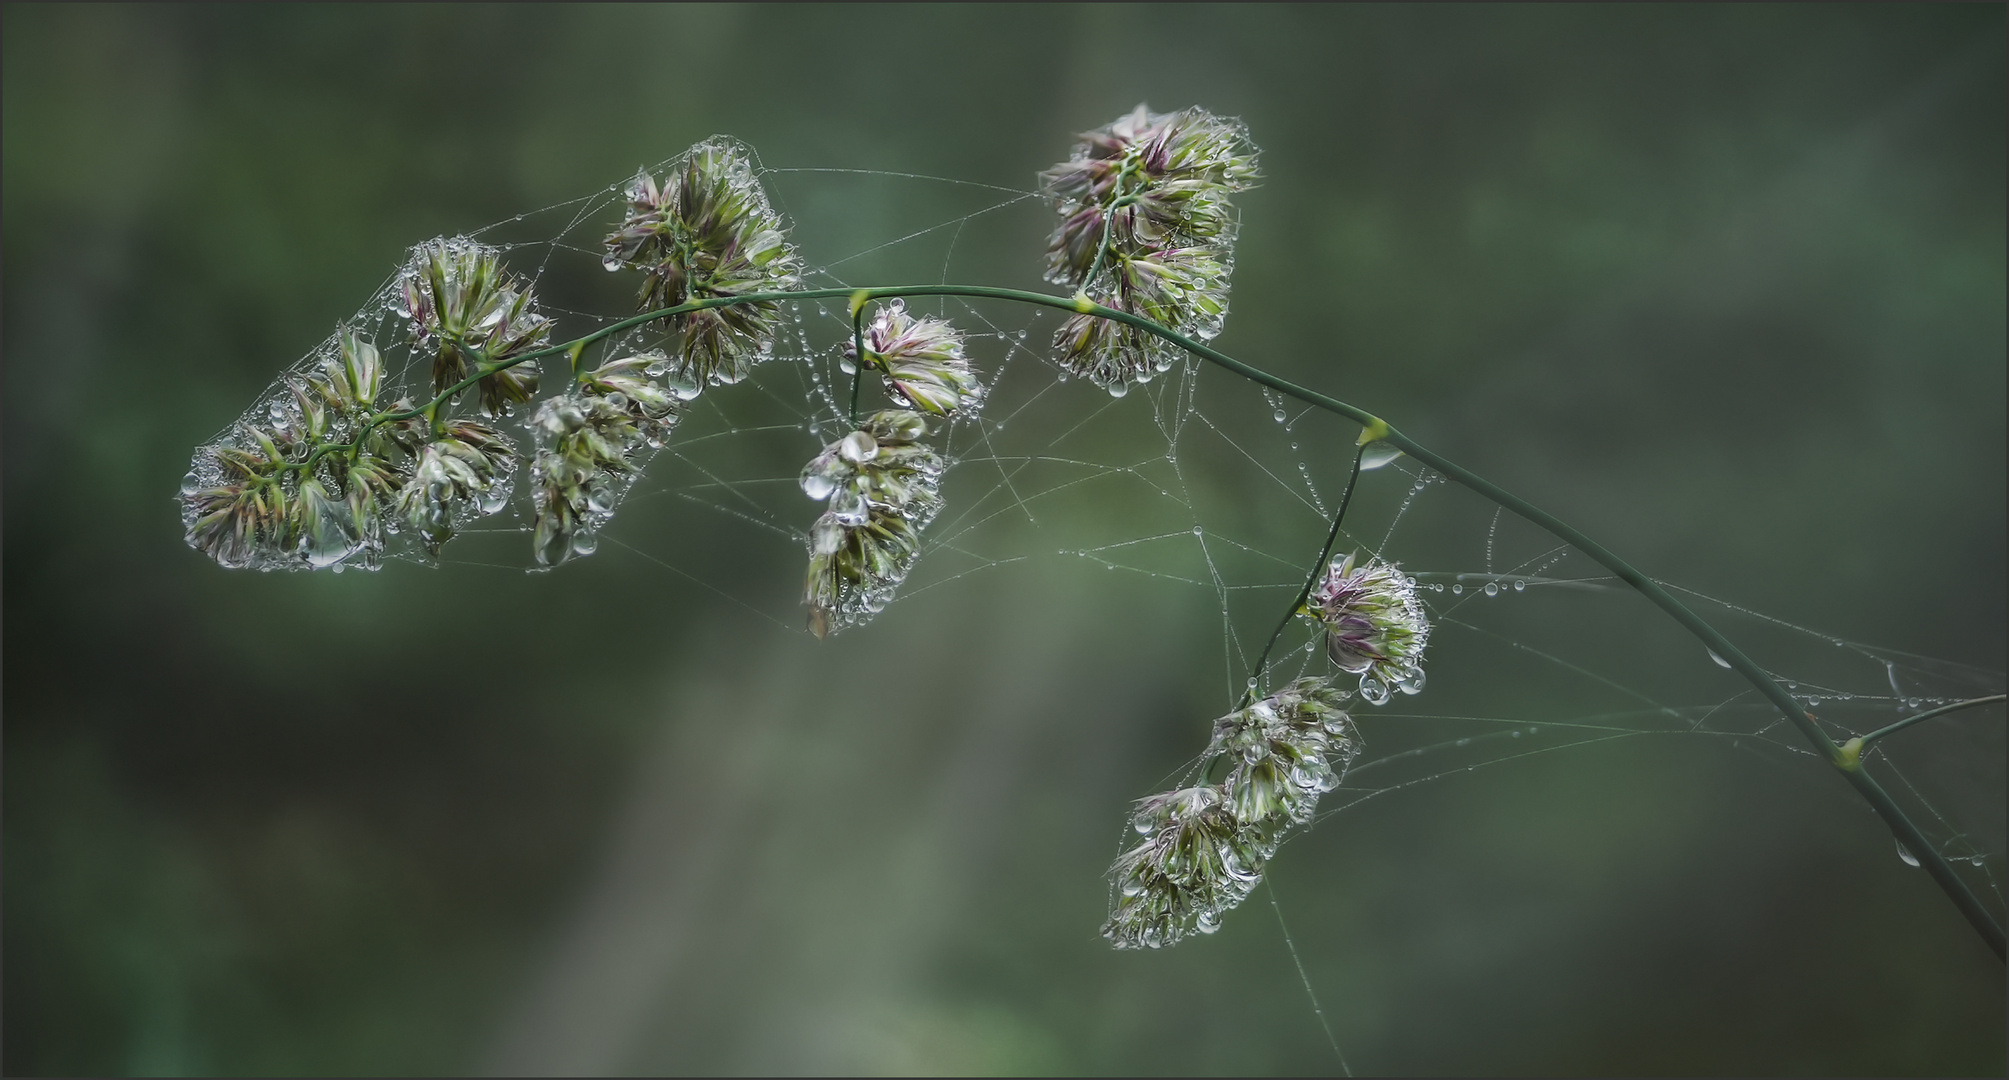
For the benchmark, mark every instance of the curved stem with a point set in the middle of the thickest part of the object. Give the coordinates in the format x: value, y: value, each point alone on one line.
x: 1317, y: 569
x: 1864, y: 741
x: 1795, y: 713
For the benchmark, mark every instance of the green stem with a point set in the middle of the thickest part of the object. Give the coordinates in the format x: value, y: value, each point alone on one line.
x: 1109, y: 221
x: 1865, y: 741
x: 1795, y: 713
x: 858, y: 351
x: 1317, y: 569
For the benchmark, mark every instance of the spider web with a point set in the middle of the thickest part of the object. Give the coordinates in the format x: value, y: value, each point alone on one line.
x: 1207, y: 485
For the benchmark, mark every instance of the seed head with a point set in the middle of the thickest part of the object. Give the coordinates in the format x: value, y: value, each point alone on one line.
x: 1374, y: 625
x: 592, y: 441
x: 1285, y: 751
x: 1150, y: 180
x: 1194, y: 865
x: 921, y: 361
x: 1206, y: 847
x: 472, y: 315
x: 246, y: 502
x: 705, y: 232
x: 881, y: 486
x: 1146, y: 229
x: 468, y: 469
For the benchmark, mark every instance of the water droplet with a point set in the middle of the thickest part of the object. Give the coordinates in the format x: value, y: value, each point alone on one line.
x: 1377, y: 454
x: 610, y: 263
x: 1492, y: 588
x: 857, y: 447
x: 191, y: 483
x: 585, y: 543
x: 1720, y: 662
x: 1905, y: 854
x: 1278, y: 416
x: 1196, y: 530
x: 683, y: 386
x: 1118, y: 389
x: 817, y: 486
x: 1410, y: 681
x: 1520, y: 586
x: 848, y: 507
x: 1372, y: 691
x: 1458, y: 589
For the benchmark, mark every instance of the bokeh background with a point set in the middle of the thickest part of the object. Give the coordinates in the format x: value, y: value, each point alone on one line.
x: 1723, y: 285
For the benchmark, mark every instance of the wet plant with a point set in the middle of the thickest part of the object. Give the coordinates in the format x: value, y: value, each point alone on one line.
x: 339, y: 464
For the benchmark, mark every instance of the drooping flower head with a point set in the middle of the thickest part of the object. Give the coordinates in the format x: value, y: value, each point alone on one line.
x: 467, y: 309
x: 467, y: 470
x: 1374, y: 625
x: 921, y: 361
x: 707, y: 231
x: 881, y: 484
x: 591, y: 441
x: 1206, y: 847
x: 1286, y: 750
x: 1146, y: 228
x: 1194, y: 865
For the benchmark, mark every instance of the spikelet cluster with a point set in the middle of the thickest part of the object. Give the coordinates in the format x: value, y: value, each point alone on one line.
x: 881, y: 485
x: 471, y: 315
x: 1374, y: 625
x: 1206, y: 847
x: 592, y: 442
x: 706, y: 231
x: 247, y: 501
x: 920, y: 360
x: 1146, y: 228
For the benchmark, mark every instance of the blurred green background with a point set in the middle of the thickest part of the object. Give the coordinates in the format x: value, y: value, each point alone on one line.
x: 1723, y: 285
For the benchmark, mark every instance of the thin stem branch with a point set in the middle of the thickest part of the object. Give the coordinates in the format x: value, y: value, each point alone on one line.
x: 1865, y: 741
x: 858, y: 351
x: 1317, y: 568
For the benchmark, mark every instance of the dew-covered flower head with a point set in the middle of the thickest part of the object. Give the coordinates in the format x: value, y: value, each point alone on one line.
x: 1285, y: 751
x: 706, y: 231
x: 591, y: 442
x: 468, y: 470
x: 921, y: 361
x: 467, y: 310
x: 1146, y: 228
x: 1194, y: 865
x: 882, y: 487
x: 1206, y: 847
x: 1147, y: 180
x: 1374, y: 625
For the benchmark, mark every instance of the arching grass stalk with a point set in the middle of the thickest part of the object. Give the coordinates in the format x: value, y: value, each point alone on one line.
x: 1848, y: 763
